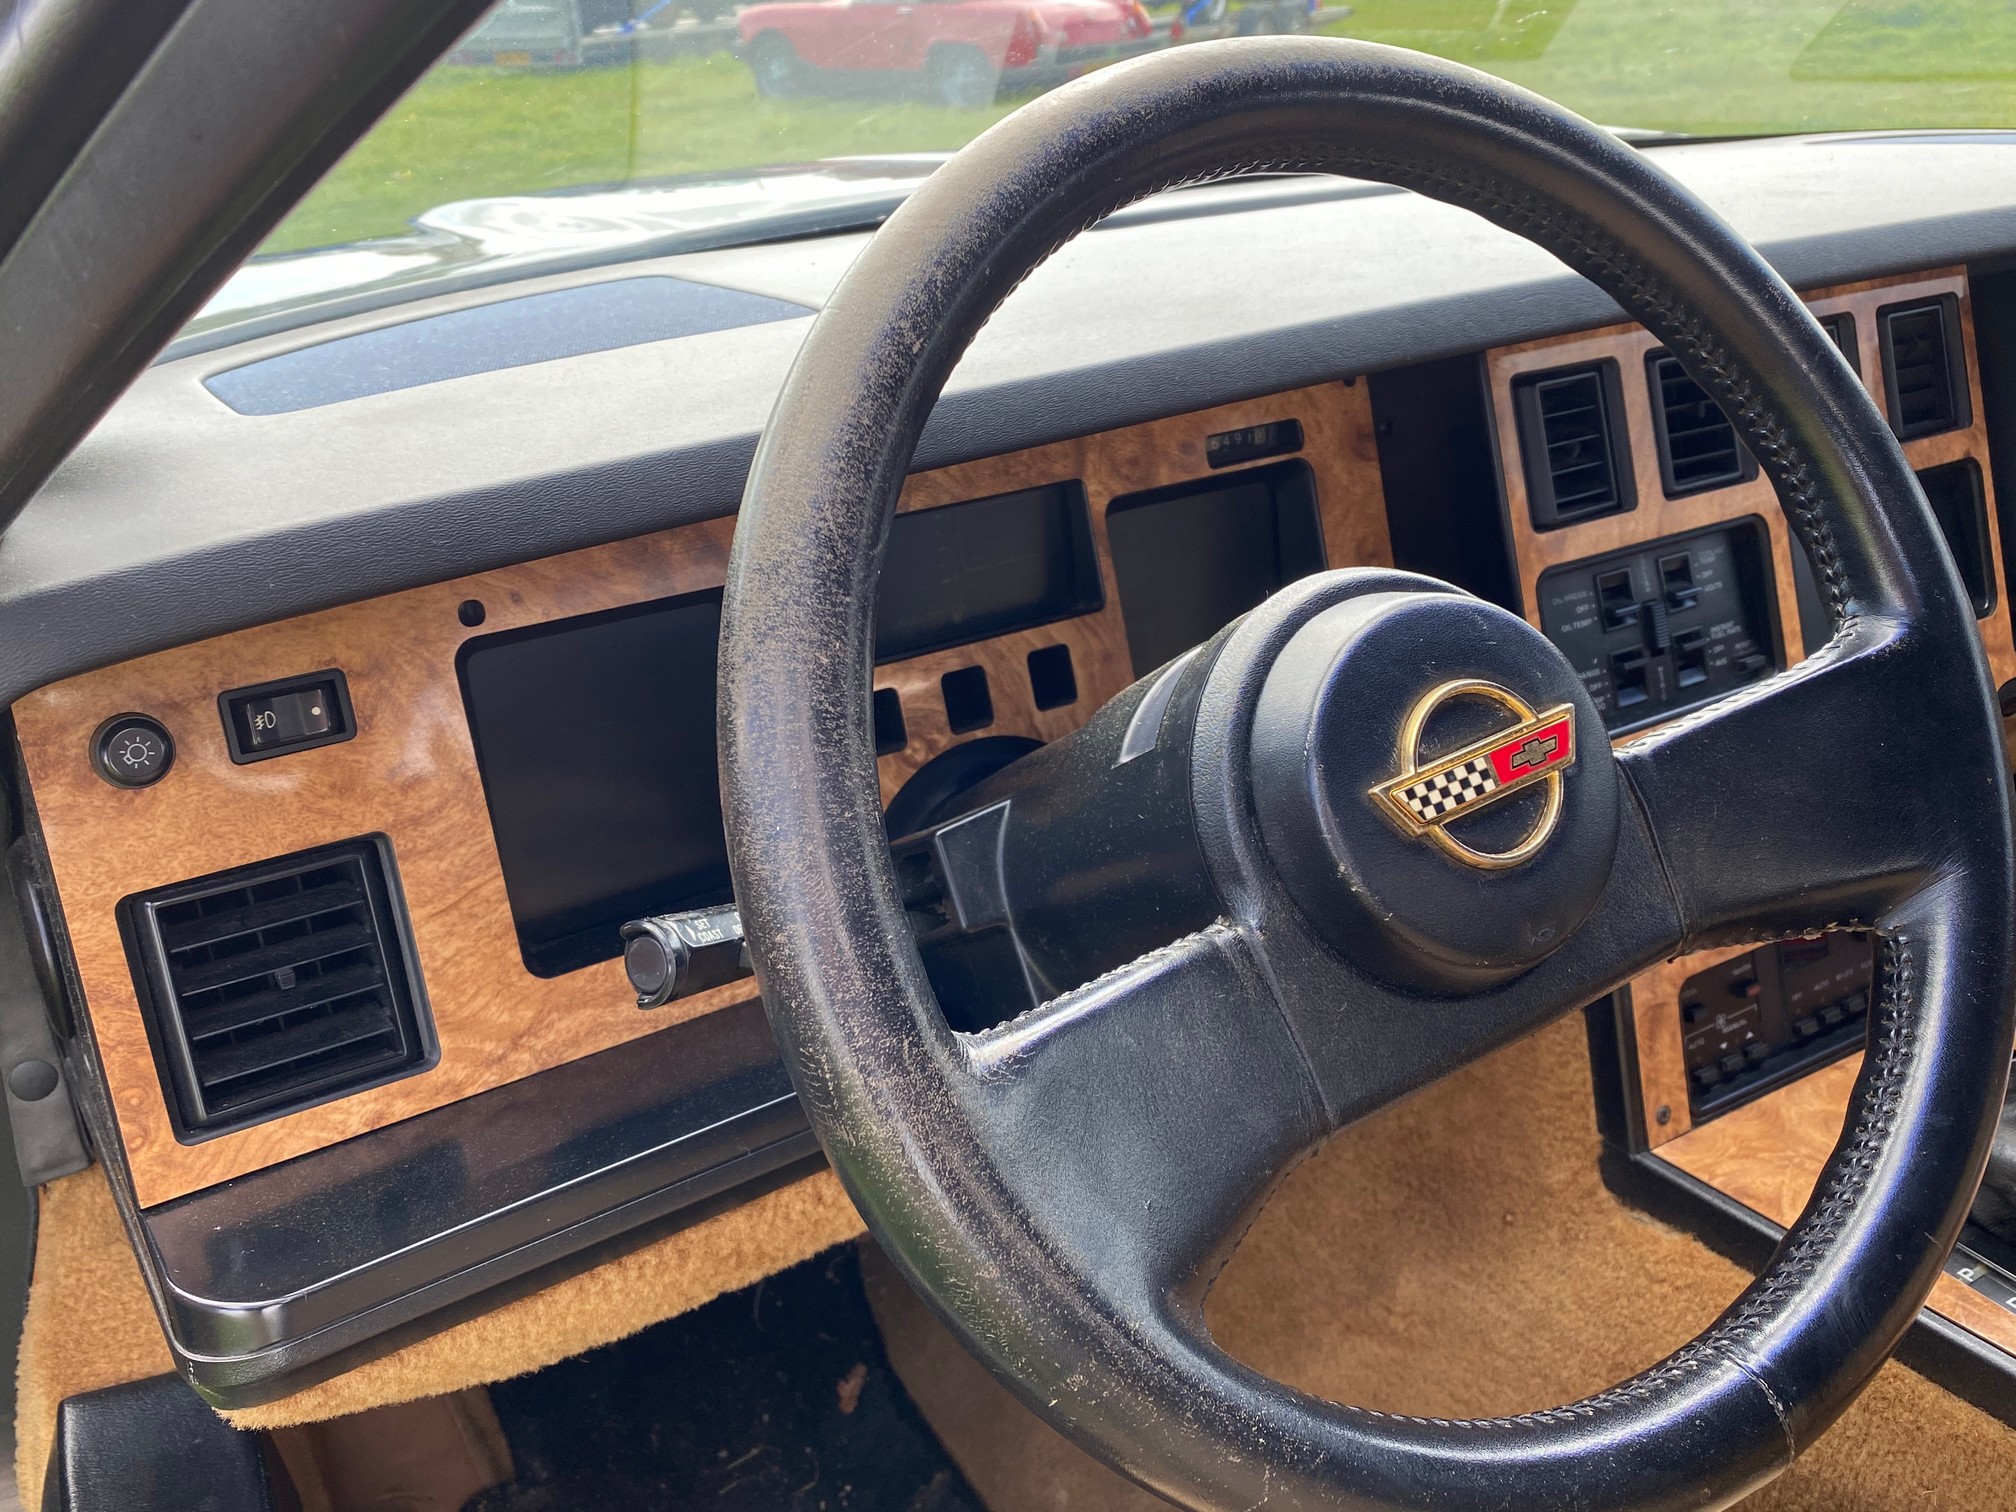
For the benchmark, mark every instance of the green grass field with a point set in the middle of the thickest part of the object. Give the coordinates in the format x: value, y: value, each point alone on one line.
x: 1703, y: 66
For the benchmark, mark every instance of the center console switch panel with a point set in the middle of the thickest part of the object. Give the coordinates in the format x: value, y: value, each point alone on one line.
x: 1758, y: 1019
x: 1667, y: 626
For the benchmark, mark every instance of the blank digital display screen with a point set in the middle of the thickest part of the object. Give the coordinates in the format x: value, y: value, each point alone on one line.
x: 1189, y: 560
x: 595, y: 739
x: 965, y: 572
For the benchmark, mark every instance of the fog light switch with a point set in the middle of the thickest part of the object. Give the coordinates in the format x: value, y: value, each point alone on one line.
x: 275, y: 718
x: 285, y: 719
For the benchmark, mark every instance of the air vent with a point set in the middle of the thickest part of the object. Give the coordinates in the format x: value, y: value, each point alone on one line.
x: 1922, y: 374
x: 1961, y: 508
x: 1698, y: 447
x: 1840, y: 329
x: 1572, y: 440
x: 277, y: 986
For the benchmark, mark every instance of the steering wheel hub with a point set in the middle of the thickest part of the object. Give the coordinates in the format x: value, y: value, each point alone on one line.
x: 1435, y: 787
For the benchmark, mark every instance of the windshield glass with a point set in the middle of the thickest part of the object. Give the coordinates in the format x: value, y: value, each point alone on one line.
x: 560, y: 132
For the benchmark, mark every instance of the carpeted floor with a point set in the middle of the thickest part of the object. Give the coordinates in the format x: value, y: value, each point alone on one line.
x: 774, y: 1399
x: 1458, y: 1255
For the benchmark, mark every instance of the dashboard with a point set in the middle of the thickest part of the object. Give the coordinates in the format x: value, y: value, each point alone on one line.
x: 331, y: 872
x: 1679, y: 582
x: 529, y: 763
x: 363, y: 872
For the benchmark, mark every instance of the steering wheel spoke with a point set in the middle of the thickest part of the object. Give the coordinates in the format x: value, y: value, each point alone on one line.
x: 1140, y: 1118
x: 1371, y: 1042
x: 1818, y: 800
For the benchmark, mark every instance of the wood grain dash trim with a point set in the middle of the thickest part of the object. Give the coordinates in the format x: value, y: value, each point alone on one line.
x: 410, y: 773
x: 1662, y: 1067
x: 1655, y: 1004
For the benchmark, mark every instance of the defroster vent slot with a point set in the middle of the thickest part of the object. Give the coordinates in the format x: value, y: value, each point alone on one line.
x: 277, y: 986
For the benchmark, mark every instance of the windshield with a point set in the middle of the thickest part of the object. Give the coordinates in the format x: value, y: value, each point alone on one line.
x: 560, y: 132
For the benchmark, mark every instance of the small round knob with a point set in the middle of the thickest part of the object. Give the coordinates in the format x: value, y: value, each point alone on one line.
x: 132, y: 751
x: 654, y: 964
x: 671, y: 956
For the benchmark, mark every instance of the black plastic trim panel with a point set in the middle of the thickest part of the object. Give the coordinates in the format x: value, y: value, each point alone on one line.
x: 48, y: 1140
x: 1993, y: 294
x: 152, y: 1444
x: 1438, y: 459
x: 282, y: 1277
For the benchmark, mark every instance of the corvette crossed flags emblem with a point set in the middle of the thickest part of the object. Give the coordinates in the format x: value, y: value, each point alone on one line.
x: 1426, y: 796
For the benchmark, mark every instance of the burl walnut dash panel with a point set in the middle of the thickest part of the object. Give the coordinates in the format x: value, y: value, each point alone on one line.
x: 1655, y: 995
x: 411, y: 775
x: 1338, y: 446
x: 1768, y: 1154
x: 1657, y: 516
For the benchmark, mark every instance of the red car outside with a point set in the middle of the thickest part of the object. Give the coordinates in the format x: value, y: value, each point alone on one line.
x: 961, y: 51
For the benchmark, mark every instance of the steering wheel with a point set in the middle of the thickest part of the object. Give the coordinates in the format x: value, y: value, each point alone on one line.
x: 1062, y: 1189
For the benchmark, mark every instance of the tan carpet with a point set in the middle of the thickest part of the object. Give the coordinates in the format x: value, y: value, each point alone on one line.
x: 90, y: 1323
x: 1458, y: 1255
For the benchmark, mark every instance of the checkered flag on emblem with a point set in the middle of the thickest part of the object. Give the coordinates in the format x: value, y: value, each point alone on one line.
x: 1432, y: 797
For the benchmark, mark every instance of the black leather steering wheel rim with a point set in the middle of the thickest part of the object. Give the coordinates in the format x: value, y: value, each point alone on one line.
x: 1866, y: 787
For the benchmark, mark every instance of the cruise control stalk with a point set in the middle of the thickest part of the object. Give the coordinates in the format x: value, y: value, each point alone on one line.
x: 668, y: 956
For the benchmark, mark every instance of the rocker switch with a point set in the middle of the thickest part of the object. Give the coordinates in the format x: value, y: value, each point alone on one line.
x: 1617, y: 598
x: 275, y: 718
x: 285, y: 719
x: 1676, y: 580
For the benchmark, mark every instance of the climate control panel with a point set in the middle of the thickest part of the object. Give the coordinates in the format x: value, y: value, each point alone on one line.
x: 1664, y: 627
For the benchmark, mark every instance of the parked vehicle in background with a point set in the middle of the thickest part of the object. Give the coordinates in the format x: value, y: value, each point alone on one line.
x: 665, y: 12
x: 1198, y: 20
x: 530, y: 33
x: 961, y: 52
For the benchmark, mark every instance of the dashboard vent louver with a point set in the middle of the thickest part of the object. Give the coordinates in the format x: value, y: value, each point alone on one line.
x: 1572, y: 441
x: 1921, y: 369
x: 1698, y: 447
x: 1840, y: 329
x: 278, y: 985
